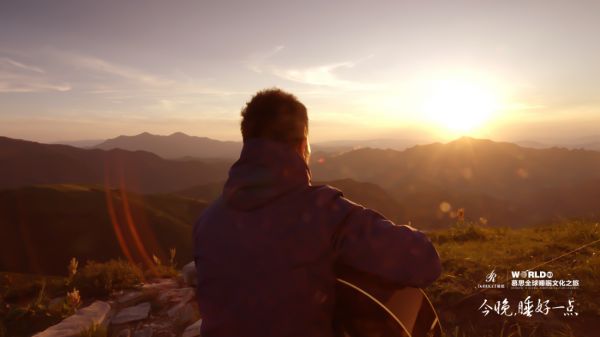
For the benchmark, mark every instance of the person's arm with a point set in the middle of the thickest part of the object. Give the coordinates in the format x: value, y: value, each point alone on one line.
x: 368, y: 242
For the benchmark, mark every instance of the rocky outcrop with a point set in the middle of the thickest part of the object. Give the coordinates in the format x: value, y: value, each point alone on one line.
x: 188, y: 272
x: 193, y: 330
x: 162, y: 308
x: 132, y: 314
x: 97, y: 313
x: 159, y: 308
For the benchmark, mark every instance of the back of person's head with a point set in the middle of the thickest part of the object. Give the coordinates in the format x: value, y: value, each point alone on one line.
x: 276, y: 115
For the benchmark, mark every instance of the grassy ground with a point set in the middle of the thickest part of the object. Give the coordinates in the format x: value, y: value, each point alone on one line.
x: 469, y: 252
x: 30, y: 303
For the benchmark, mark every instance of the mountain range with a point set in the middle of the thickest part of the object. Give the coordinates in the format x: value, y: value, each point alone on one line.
x: 176, y: 145
x: 502, y: 182
x: 180, y: 145
x: 53, y: 193
x: 367, y: 194
x: 30, y: 163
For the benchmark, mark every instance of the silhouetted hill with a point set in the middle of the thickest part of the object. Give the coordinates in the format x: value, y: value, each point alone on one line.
x: 584, y: 143
x: 532, y: 144
x: 179, y: 145
x: 338, y: 146
x: 367, y: 194
x: 44, y: 226
x: 207, y: 192
x: 506, y: 183
x: 29, y: 163
x: 591, y: 142
x: 176, y: 145
x: 595, y: 146
x: 501, y: 182
x: 84, y: 143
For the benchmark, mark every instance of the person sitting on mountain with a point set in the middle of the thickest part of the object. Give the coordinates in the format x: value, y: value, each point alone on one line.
x: 267, y: 251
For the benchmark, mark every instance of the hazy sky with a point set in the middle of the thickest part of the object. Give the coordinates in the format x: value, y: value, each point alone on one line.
x: 95, y: 69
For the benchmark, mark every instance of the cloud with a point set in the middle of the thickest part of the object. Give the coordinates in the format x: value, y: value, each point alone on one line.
x: 118, y: 82
x: 107, y: 88
x: 321, y: 75
x: 17, y: 64
x: 27, y: 86
x: 324, y: 75
x: 256, y: 61
x: 98, y: 65
x: 18, y: 77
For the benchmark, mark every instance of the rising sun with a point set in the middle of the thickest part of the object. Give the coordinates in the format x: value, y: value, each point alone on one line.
x: 459, y: 106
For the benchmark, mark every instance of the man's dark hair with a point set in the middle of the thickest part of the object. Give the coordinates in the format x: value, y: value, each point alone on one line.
x: 275, y: 114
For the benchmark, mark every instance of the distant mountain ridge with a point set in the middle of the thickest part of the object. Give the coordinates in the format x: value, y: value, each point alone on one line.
x: 83, y: 143
x: 179, y: 145
x: 182, y: 146
x: 591, y: 142
x: 174, y: 146
x: 501, y: 182
x: 29, y: 163
x: 467, y: 163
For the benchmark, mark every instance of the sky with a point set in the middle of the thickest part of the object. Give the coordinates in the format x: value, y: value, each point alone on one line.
x: 505, y: 70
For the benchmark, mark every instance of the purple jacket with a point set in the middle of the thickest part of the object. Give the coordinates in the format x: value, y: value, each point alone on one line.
x: 267, y: 248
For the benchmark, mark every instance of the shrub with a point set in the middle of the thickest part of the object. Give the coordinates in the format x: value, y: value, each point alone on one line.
x: 462, y: 233
x: 468, y: 233
x: 100, y: 279
x: 163, y: 270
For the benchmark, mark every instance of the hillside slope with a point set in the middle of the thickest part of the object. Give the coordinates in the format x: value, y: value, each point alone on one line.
x: 367, y: 194
x: 470, y: 252
x: 44, y: 226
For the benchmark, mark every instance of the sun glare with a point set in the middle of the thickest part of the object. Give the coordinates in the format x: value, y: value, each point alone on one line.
x: 459, y: 106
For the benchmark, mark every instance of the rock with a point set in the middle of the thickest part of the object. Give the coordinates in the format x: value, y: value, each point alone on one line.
x: 131, y: 298
x: 124, y: 333
x: 165, y: 334
x: 132, y: 314
x: 161, y: 284
x: 184, y: 313
x: 192, y: 330
x: 96, y: 313
x: 176, y: 295
x: 188, y: 272
x: 143, y: 332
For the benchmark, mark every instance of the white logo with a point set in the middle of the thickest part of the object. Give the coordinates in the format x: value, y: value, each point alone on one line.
x: 490, y: 281
x: 532, y: 274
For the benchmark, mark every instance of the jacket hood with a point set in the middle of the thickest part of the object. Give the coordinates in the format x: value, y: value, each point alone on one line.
x: 265, y: 170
